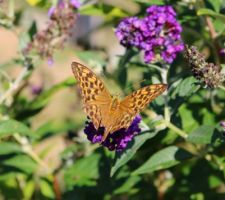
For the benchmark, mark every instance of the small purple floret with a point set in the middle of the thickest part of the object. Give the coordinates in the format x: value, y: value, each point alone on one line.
x: 61, y: 5
x: 222, y: 124
x: 158, y: 34
x: 76, y: 3
x: 222, y: 52
x: 117, y: 140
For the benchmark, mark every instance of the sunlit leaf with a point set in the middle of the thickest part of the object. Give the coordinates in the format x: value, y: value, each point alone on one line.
x: 36, y: 105
x: 91, y: 58
x: 205, y: 11
x: 150, y: 2
x: 9, y: 147
x: 33, y: 2
x: 22, y: 162
x: 47, y: 189
x: 29, y: 189
x: 103, y: 10
x: 10, y: 127
x: 83, y: 172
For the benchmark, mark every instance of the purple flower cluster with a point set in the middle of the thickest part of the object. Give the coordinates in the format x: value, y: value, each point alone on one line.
x: 158, y: 34
x: 117, y: 140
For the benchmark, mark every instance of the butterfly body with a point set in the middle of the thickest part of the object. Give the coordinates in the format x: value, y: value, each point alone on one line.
x: 115, y: 104
x: 108, y: 111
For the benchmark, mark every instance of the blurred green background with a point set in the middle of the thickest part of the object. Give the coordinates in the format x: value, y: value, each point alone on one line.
x: 44, y: 153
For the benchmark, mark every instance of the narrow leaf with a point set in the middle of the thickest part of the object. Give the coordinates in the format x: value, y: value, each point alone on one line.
x: 22, y: 162
x: 9, y: 127
x: 152, y: 2
x: 9, y: 147
x: 123, y: 157
x: 83, y: 172
x: 165, y: 158
x: 205, y: 11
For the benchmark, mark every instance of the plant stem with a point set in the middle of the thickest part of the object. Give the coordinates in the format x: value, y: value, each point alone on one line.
x: 175, y: 129
x: 14, y: 85
x: 56, y: 187
x: 11, y: 9
x: 213, y: 36
x: 29, y: 151
x: 164, y: 73
x: 221, y: 87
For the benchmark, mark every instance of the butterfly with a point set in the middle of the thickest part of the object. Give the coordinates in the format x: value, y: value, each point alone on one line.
x: 106, y: 110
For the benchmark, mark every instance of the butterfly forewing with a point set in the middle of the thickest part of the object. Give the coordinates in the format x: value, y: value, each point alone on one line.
x: 138, y: 100
x: 95, y: 96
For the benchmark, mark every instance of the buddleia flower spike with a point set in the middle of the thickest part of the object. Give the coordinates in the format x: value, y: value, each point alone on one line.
x: 208, y: 73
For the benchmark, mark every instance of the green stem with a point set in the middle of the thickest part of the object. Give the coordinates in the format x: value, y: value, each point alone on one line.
x: 156, y: 67
x: 11, y: 9
x: 14, y: 86
x: 29, y: 151
x: 221, y: 87
x: 175, y: 129
x: 164, y: 74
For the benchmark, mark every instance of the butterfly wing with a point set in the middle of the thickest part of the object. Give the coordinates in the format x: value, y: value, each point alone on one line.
x: 133, y: 104
x: 96, y: 99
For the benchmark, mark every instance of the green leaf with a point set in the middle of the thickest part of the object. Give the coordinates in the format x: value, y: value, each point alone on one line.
x: 32, y: 30
x: 43, y: 99
x: 37, y: 104
x: 54, y: 127
x: 188, y: 121
x: 22, y: 162
x: 152, y: 2
x: 203, y: 135
x: 10, y: 127
x: 205, y: 11
x: 215, y: 4
x: 128, y: 184
x: 9, y: 175
x: 185, y: 87
x: 9, y: 147
x: 24, y: 39
x: 165, y: 158
x: 91, y: 58
x: 29, y: 189
x: 47, y: 189
x: 103, y: 10
x: 83, y: 172
x: 123, y: 157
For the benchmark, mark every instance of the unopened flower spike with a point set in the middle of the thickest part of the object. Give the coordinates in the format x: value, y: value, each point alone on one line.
x: 208, y: 73
x: 53, y: 37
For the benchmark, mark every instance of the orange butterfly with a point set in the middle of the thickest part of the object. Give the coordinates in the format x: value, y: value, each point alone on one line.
x: 107, y: 111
